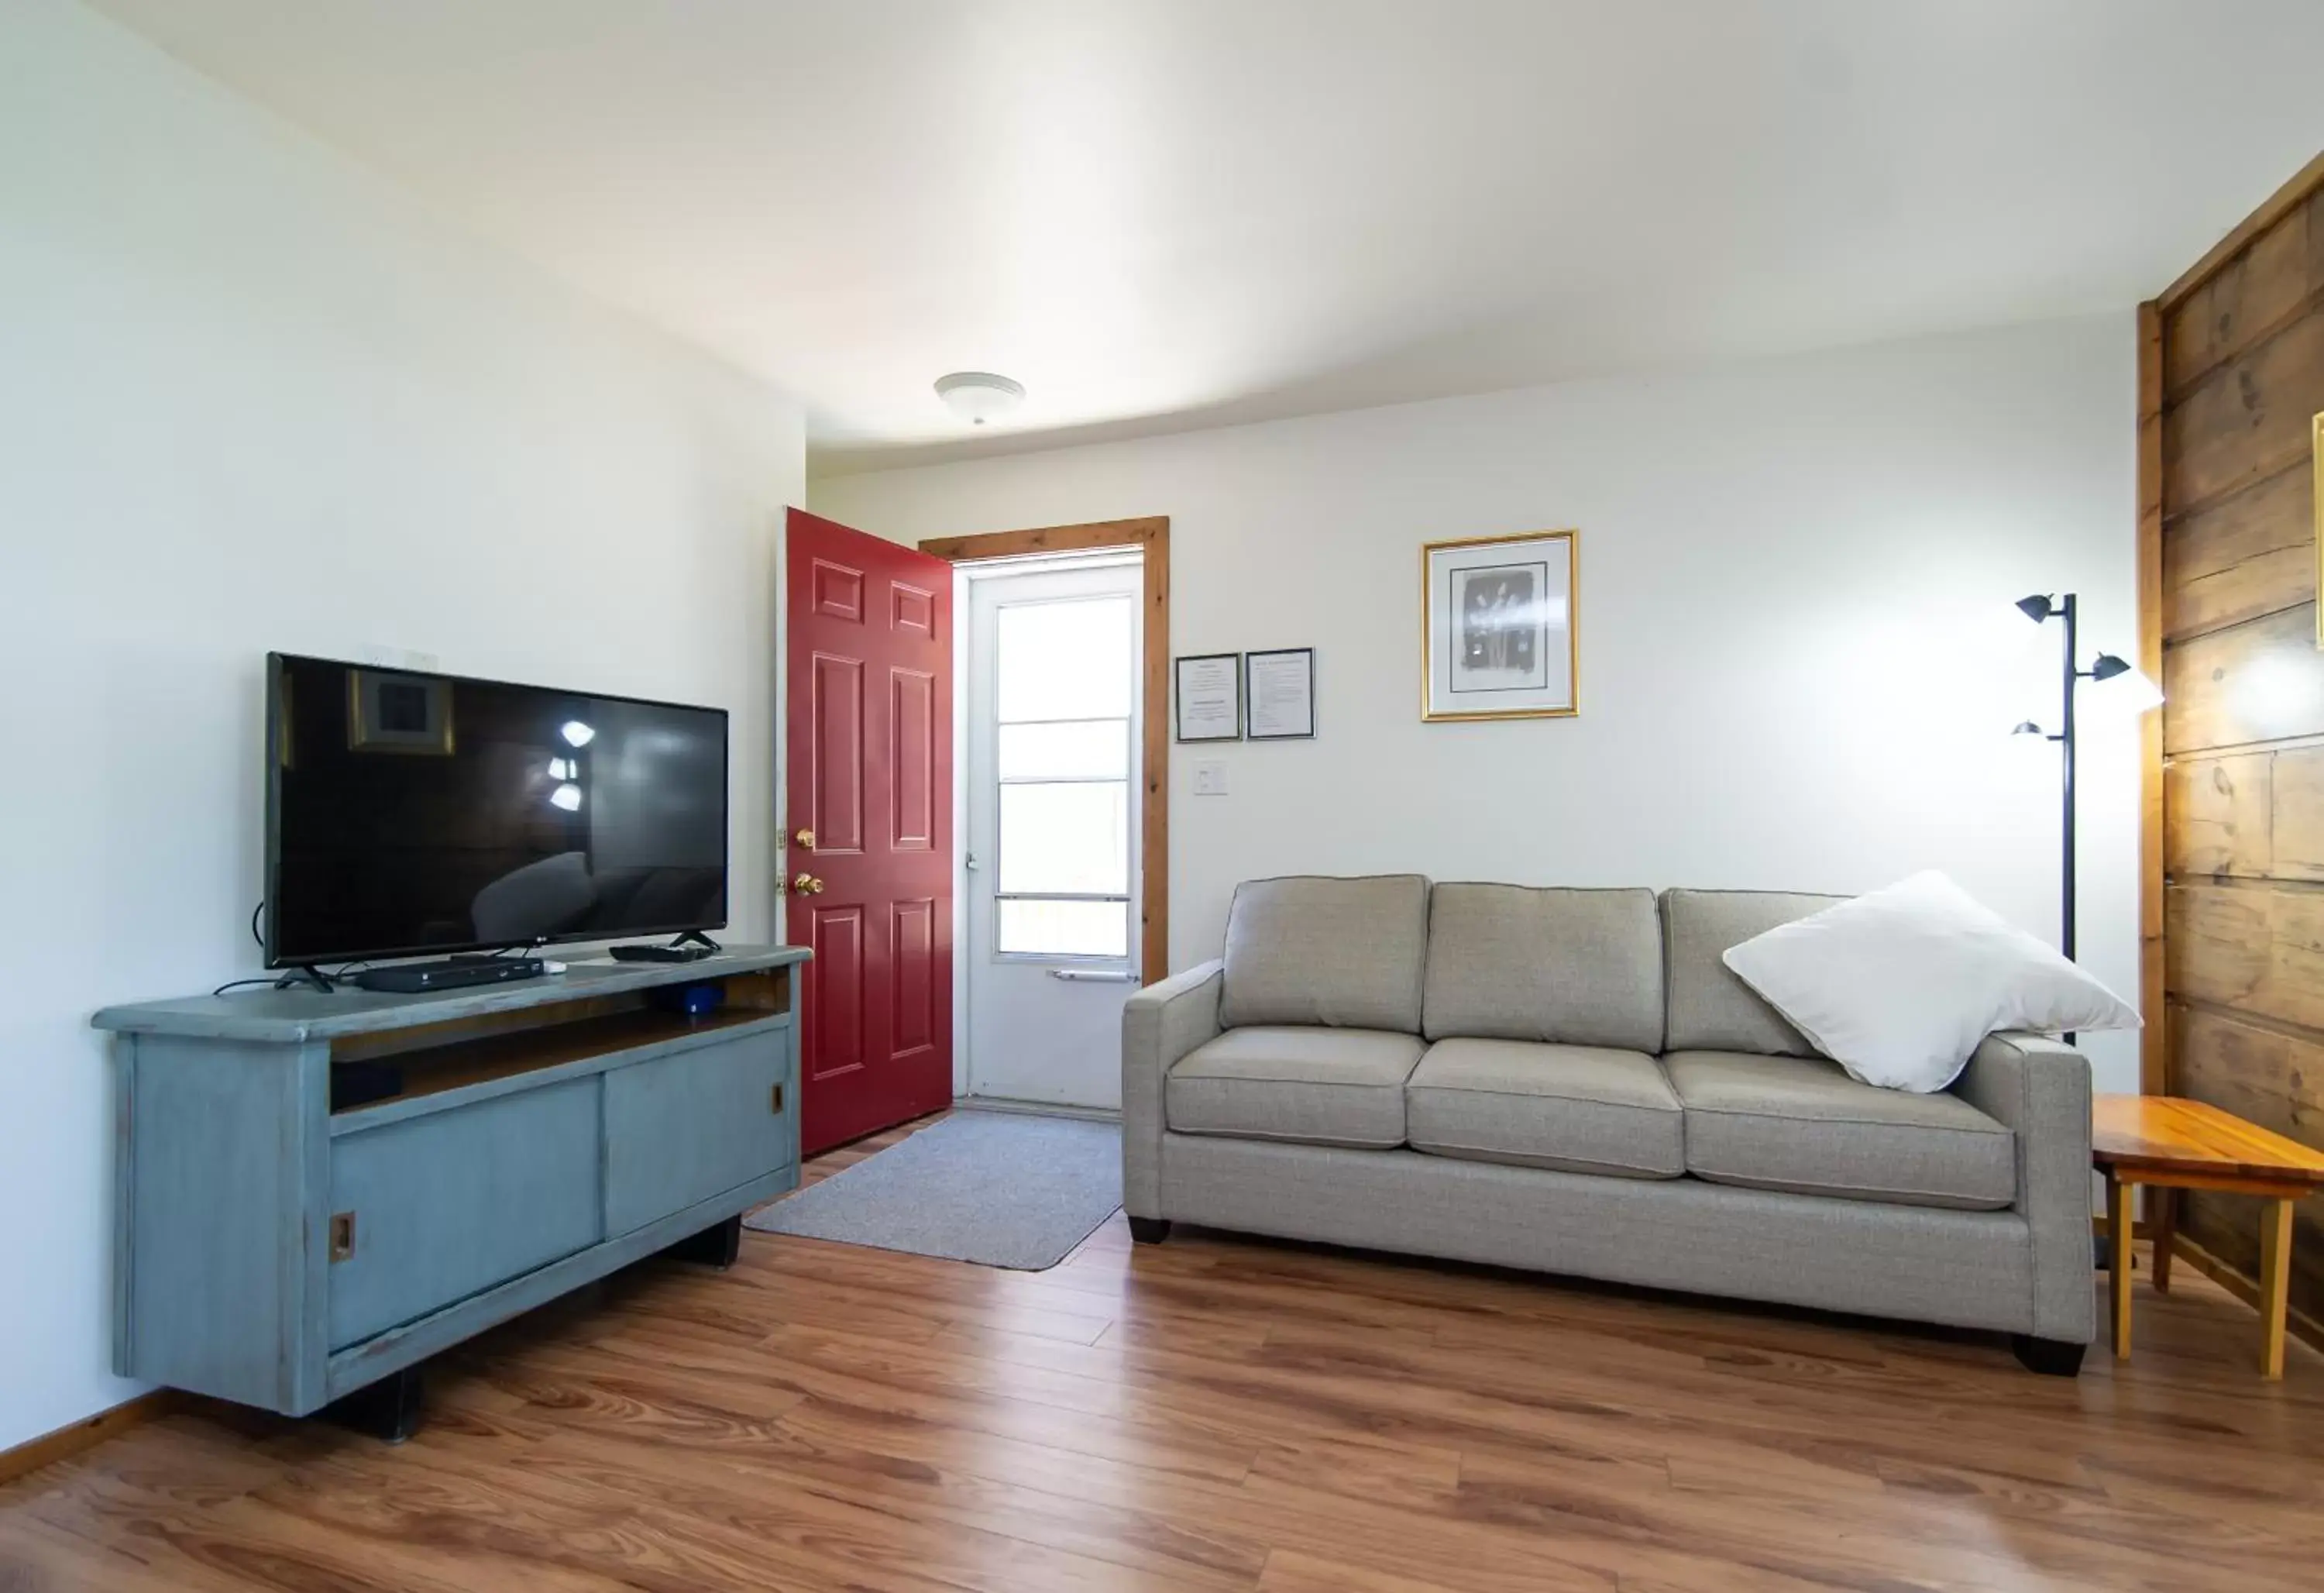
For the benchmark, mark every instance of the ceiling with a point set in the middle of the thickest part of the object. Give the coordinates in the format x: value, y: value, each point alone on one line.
x: 1158, y: 214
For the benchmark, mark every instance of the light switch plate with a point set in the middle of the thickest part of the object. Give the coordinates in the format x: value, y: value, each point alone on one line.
x: 1210, y: 779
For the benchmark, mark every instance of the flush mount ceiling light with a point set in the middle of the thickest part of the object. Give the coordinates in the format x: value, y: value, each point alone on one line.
x: 978, y: 396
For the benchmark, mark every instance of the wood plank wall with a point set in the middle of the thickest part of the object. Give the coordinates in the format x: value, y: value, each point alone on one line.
x: 2241, y: 376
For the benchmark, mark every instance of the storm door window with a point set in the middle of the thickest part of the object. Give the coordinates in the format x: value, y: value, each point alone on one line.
x: 1062, y: 689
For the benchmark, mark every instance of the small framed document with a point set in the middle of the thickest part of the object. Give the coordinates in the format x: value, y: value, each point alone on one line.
x: 1279, y: 686
x: 1209, y: 697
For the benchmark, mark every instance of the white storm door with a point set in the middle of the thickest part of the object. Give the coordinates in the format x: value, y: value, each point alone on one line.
x: 1054, y: 717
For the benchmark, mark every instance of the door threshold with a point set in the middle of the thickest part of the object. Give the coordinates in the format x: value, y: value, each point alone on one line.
x: 994, y: 1103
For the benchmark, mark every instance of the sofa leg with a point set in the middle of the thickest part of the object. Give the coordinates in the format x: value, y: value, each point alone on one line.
x: 2052, y: 1357
x: 1149, y: 1230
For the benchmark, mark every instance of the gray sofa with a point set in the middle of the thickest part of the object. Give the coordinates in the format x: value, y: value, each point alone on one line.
x: 1572, y: 1081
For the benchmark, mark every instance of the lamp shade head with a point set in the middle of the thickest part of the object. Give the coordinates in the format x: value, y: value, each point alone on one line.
x: 2025, y: 727
x: 2106, y: 667
x: 2037, y: 608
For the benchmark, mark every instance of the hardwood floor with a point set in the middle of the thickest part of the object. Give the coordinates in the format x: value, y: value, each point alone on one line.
x: 1217, y: 1413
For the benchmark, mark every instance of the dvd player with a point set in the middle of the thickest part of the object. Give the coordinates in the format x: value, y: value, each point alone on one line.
x: 458, y: 973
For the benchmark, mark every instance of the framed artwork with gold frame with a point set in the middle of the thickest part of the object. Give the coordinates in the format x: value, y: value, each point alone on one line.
x: 1497, y: 627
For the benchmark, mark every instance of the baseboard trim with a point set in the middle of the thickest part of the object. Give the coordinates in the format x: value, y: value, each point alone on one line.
x: 68, y: 1440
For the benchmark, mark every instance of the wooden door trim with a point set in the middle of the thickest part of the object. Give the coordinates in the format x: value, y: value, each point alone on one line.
x: 1151, y: 536
x: 2153, y: 1039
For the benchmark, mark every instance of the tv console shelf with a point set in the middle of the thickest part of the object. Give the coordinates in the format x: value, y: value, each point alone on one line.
x: 508, y: 1143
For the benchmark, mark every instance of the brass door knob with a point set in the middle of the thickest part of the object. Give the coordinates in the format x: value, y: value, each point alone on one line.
x: 806, y: 884
x: 804, y: 839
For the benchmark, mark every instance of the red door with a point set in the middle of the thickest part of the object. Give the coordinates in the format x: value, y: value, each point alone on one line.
x: 870, y: 739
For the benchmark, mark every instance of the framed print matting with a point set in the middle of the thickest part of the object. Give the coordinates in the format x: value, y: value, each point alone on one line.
x: 1496, y: 634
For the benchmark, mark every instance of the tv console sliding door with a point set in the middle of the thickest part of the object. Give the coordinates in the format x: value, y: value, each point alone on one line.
x: 497, y: 1149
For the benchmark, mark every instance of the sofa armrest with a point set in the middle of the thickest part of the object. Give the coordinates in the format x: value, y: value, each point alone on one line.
x: 1159, y: 1024
x: 2040, y: 1088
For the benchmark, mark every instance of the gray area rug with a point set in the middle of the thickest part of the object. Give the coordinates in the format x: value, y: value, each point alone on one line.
x: 998, y: 1189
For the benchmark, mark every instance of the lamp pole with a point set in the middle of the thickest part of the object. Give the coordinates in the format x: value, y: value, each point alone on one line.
x: 2106, y: 666
x: 2068, y: 607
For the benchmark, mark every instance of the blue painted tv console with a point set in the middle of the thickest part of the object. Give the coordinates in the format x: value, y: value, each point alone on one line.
x: 274, y: 1251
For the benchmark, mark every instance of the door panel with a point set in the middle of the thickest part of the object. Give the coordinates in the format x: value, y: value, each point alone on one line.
x: 870, y: 774
x: 835, y: 982
x: 916, y: 610
x: 837, y: 591
x: 918, y: 977
x: 834, y: 809
x: 912, y: 697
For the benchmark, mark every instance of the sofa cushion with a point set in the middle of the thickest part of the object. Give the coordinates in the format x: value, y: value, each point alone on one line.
x: 1321, y: 1087
x: 1562, y: 967
x: 1341, y: 953
x: 1577, y: 1108
x: 1707, y: 1007
x: 1802, y: 1124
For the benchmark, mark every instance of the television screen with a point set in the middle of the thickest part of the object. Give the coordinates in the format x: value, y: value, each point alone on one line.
x: 409, y: 813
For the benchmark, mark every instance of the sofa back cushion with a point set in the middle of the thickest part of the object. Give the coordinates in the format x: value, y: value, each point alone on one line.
x: 1554, y: 965
x: 1709, y: 1008
x: 1343, y: 953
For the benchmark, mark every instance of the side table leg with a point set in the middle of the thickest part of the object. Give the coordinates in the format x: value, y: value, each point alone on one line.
x: 2275, y: 1284
x: 2119, y: 1202
x: 2164, y: 1225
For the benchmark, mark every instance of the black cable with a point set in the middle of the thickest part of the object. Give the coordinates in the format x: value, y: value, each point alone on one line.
x: 296, y: 978
x: 238, y: 983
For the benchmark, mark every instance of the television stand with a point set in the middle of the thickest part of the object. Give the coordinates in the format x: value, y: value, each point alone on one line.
x: 285, y: 1243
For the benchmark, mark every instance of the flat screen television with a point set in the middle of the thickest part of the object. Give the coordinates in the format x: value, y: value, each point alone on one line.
x: 409, y: 813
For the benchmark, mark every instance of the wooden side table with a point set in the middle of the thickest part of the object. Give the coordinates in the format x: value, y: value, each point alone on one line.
x: 2170, y: 1143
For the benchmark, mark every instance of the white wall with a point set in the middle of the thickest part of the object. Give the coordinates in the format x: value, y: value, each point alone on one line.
x: 1798, y: 657
x: 250, y: 397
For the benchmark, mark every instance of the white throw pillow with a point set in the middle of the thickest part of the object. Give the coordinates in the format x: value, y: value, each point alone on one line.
x: 1900, y: 986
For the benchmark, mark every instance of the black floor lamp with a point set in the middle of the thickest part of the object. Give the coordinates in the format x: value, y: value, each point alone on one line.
x: 2104, y: 667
